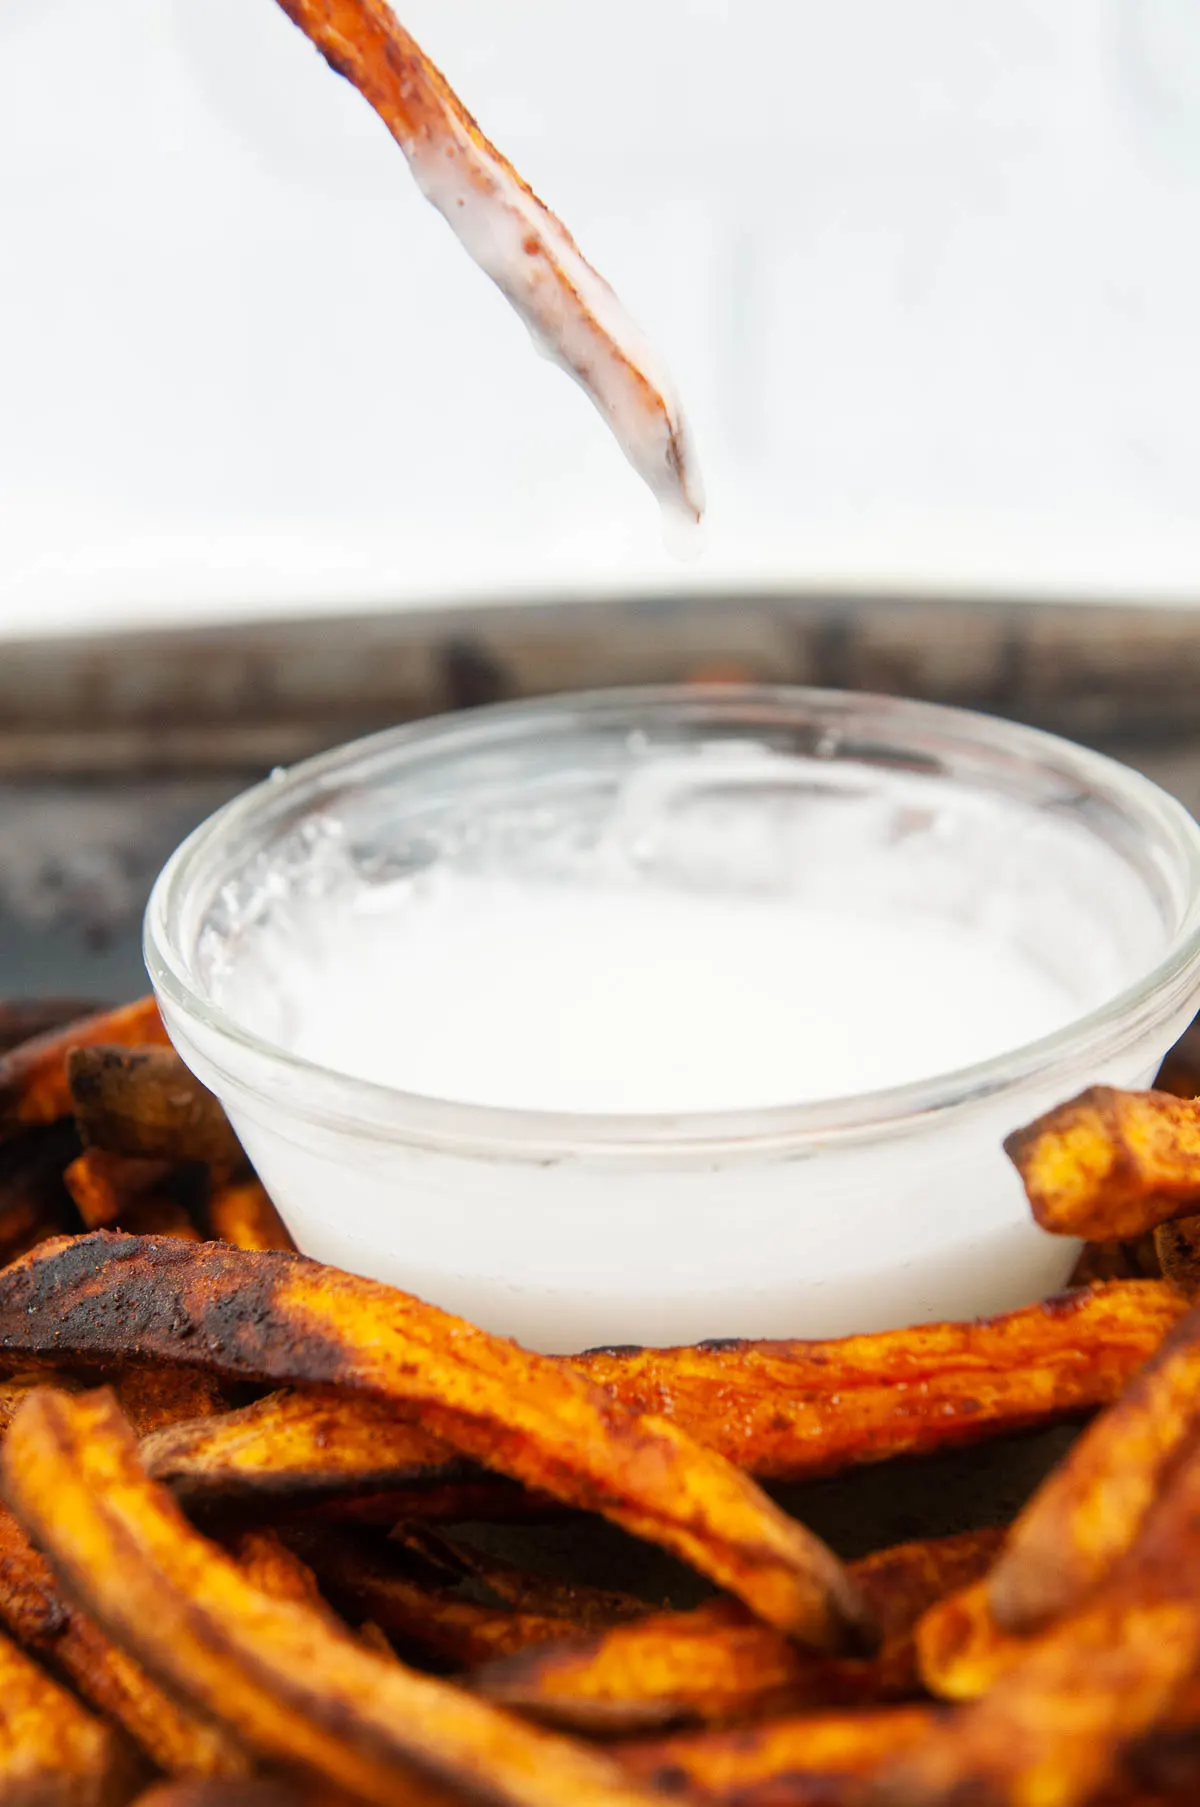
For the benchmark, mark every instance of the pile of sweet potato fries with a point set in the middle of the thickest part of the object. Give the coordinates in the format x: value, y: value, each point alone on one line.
x: 244, y: 1553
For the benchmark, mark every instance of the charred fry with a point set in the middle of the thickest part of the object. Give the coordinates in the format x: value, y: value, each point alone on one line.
x: 715, y: 1665
x: 1111, y: 1164
x: 33, y: 1077
x: 764, y: 1406
x: 275, y: 1316
x: 1089, y: 1511
x: 276, y: 1673
x: 240, y: 1212
x: 805, y: 1762
x: 144, y: 1102
x: 1060, y: 1721
x: 104, y: 1185
x: 511, y: 235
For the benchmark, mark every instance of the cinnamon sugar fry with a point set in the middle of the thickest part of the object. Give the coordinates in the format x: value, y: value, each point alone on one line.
x: 277, y: 1674
x: 273, y: 1316
x: 715, y: 1666
x: 571, y: 312
x: 779, y: 1410
x: 33, y: 1076
x: 1111, y: 1165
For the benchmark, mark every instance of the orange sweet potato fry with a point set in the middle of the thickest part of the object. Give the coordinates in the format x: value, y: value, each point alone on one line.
x: 715, y: 1666
x: 35, y: 1612
x: 53, y: 1751
x: 240, y: 1212
x: 1063, y: 1719
x: 1090, y: 1509
x: 961, y: 1651
x: 144, y: 1102
x: 811, y: 1761
x: 33, y: 1076
x: 1111, y: 1164
x: 277, y: 1674
x: 104, y: 1185
x: 511, y: 235
x: 779, y: 1410
x: 273, y: 1316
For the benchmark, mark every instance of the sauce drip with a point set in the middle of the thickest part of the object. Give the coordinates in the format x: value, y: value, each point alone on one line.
x: 572, y: 313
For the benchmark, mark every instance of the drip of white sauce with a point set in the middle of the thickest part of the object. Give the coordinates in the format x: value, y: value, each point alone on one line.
x: 572, y: 313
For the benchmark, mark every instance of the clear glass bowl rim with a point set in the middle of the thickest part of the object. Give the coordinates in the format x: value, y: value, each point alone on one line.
x: 382, y: 1113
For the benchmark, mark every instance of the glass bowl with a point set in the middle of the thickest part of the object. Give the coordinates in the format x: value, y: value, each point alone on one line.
x: 569, y: 1228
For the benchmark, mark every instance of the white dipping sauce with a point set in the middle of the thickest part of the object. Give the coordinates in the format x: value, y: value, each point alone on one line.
x: 550, y: 997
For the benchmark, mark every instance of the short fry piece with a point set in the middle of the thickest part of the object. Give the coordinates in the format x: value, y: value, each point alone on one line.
x: 277, y: 1673
x: 240, y: 1212
x: 1111, y: 1165
x: 715, y: 1666
x: 33, y: 1077
x: 279, y: 1317
x: 1057, y: 1725
x: 53, y: 1752
x: 813, y: 1761
x: 35, y: 1612
x: 1088, y: 1512
x: 103, y: 1185
x: 145, y: 1102
x: 779, y: 1410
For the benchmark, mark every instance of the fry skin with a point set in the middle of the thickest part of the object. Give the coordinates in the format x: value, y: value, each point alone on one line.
x: 144, y: 1102
x: 33, y: 1076
x: 715, y: 1666
x: 273, y: 1316
x: 1111, y: 1165
x: 1063, y: 1719
x: 780, y: 1410
x: 1088, y: 1512
x: 276, y: 1673
x: 800, y: 1762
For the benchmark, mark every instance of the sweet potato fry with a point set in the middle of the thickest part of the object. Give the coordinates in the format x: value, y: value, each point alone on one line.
x: 33, y: 1076
x: 715, y: 1666
x: 528, y: 253
x: 155, y: 1398
x: 1090, y: 1509
x: 276, y: 1673
x: 35, y: 1612
x: 1177, y: 1246
x: 1063, y: 1718
x: 240, y: 1212
x: 272, y: 1316
x: 145, y: 1102
x: 424, y: 1622
x: 780, y: 1410
x: 813, y: 1761
x: 1111, y: 1164
x: 103, y: 1185
x: 961, y: 1651
x: 53, y: 1752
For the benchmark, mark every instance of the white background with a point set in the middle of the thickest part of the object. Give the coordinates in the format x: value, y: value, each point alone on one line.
x: 927, y: 271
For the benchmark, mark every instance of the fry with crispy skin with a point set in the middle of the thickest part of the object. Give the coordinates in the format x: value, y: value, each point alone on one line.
x: 1111, y: 1164
x: 528, y: 253
x: 280, y: 1317
x: 33, y: 1076
x: 780, y: 1410
x: 715, y: 1666
x: 277, y: 1674
x: 1061, y: 1720
x: 104, y: 1185
x: 1088, y: 1512
x: 145, y: 1102
x: 35, y: 1612
x: 240, y: 1212
x: 812, y: 1761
